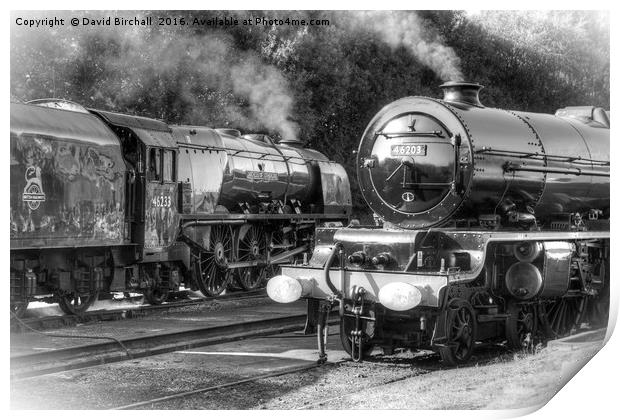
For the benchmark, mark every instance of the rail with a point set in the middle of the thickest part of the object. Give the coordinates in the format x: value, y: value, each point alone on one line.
x: 88, y: 355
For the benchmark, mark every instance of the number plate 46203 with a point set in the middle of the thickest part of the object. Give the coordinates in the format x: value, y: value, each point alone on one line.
x: 408, y: 150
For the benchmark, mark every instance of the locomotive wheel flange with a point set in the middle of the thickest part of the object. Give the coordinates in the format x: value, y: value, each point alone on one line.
x: 74, y: 303
x: 252, y: 246
x: 210, y: 266
x: 461, y: 329
x: 521, y: 326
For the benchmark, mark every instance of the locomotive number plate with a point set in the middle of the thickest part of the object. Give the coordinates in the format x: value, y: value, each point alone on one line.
x: 161, y: 201
x: 408, y: 150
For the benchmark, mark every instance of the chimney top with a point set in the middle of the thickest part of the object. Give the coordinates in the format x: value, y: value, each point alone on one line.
x: 462, y: 92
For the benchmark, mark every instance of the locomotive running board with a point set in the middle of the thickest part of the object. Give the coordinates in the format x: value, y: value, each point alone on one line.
x: 228, y: 218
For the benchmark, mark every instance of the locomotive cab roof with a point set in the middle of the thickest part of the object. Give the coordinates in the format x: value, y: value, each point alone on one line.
x: 58, y: 104
x: 150, y: 131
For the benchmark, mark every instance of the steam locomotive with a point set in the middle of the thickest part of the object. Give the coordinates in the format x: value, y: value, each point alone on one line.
x: 103, y: 202
x: 495, y: 229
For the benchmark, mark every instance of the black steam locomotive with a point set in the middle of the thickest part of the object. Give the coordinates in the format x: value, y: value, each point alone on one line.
x: 105, y: 202
x: 495, y: 228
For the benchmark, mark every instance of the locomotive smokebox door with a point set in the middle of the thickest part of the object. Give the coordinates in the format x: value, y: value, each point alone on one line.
x: 161, y: 198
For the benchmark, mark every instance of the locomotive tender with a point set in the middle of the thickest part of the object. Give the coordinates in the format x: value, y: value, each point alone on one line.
x: 106, y: 202
x: 495, y: 228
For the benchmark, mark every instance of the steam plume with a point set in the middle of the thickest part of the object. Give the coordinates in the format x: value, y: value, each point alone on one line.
x: 406, y: 29
x: 215, y: 69
x: 267, y: 93
x: 172, y: 75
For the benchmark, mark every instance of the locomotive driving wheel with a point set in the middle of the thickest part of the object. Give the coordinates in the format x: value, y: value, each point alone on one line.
x: 279, y: 241
x: 212, y: 274
x: 564, y: 315
x: 75, y: 303
x: 521, y: 326
x: 252, y: 246
x: 461, y: 331
x: 597, y: 311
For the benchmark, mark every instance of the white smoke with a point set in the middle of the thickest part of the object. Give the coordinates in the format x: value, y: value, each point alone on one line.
x: 267, y: 92
x: 190, y: 78
x: 406, y: 29
x: 262, y: 98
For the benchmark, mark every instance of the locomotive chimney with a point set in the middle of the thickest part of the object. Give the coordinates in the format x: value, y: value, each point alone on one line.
x: 462, y: 92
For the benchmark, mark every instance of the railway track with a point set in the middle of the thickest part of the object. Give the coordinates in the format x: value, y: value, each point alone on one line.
x: 114, y: 350
x: 424, y: 364
x: 429, y: 362
x: 59, y: 321
x: 171, y: 397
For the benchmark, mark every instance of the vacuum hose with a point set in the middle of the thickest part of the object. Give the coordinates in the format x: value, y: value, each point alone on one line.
x: 337, y: 248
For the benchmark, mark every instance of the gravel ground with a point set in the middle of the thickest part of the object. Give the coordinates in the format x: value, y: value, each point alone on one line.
x: 495, y: 379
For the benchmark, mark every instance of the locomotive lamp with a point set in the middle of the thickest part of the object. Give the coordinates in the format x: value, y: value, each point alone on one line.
x: 400, y: 296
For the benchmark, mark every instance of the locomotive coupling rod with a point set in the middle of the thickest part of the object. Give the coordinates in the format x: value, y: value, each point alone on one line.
x: 276, y: 259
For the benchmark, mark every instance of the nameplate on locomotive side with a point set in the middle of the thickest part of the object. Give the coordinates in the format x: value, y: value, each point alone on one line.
x: 408, y: 150
x: 262, y: 176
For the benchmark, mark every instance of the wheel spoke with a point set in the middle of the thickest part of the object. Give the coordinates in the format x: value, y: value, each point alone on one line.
x: 251, y: 247
x: 211, y: 274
